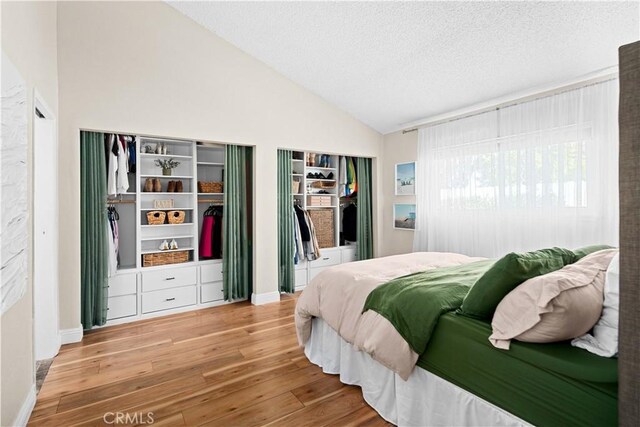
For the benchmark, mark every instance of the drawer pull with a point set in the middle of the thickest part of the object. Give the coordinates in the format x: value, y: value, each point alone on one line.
x: 170, y: 278
x: 169, y: 299
x: 325, y: 259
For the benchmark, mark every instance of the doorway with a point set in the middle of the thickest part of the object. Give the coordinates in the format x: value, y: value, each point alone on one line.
x: 46, y: 342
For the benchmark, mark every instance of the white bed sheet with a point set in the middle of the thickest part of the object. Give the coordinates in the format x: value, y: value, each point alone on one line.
x: 423, y: 400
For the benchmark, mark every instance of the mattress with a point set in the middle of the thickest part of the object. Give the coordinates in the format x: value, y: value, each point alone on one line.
x: 543, y: 384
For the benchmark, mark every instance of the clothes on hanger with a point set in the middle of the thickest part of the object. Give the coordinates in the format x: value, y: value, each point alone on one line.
x: 299, y: 244
x: 112, y: 164
x: 123, y: 165
x: 211, y: 233
x: 113, y: 239
x: 306, y: 242
x: 342, y: 177
x: 118, y: 158
x: 352, y: 180
x: 349, y: 222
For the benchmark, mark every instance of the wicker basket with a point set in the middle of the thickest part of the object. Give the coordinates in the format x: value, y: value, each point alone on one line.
x: 295, y: 187
x: 324, y: 224
x: 156, y: 217
x: 323, y: 184
x: 210, y: 187
x: 175, y: 217
x: 164, y: 258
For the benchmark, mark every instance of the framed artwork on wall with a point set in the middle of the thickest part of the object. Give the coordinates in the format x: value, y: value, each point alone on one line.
x: 404, y: 216
x: 406, y: 179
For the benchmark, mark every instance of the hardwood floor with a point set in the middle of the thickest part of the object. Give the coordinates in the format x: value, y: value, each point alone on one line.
x: 234, y: 365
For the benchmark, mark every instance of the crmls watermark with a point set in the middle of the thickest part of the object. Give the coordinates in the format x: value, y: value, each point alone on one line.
x: 123, y: 418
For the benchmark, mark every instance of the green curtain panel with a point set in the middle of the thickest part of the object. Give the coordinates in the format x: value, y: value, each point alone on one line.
x: 285, y: 223
x: 93, y: 230
x: 364, y: 232
x: 236, y: 239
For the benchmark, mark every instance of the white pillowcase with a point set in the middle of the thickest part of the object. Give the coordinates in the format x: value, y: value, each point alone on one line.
x: 604, y: 341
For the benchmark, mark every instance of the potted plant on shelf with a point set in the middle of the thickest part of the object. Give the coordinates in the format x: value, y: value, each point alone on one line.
x: 167, y: 165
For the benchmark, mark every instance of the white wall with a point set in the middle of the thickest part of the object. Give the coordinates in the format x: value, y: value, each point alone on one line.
x: 398, y: 148
x: 145, y: 68
x: 29, y: 40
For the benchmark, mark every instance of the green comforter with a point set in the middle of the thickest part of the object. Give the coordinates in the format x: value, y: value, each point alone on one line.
x: 414, y: 303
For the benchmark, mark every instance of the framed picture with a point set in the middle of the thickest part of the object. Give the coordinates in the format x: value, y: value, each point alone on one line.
x: 404, y: 216
x: 406, y: 179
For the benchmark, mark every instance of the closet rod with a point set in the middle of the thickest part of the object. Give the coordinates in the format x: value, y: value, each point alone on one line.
x: 214, y: 201
x: 119, y: 202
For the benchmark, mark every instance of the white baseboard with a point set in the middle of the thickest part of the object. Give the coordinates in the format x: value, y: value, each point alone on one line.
x: 68, y: 336
x: 27, y: 407
x: 265, y: 298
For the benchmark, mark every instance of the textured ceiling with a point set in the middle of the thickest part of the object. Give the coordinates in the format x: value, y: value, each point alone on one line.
x: 390, y: 63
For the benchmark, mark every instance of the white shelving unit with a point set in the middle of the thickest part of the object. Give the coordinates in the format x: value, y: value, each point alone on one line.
x: 312, y: 185
x: 138, y: 291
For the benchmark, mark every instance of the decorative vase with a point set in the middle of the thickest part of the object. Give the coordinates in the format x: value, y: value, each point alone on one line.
x: 166, y: 171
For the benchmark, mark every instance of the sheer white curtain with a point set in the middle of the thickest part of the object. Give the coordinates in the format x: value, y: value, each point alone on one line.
x: 538, y: 174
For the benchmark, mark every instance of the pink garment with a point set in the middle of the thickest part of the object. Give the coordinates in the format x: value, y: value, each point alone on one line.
x: 206, y: 238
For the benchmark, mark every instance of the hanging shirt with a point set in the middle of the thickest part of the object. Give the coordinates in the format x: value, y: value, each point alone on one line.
x: 112, y: 241
x: 349, y: 223
x: 302, y: 222
x: 206, y: 237
x: 122, y: 183
x: 112, y: 188
x: 131, y: 145
x: 342, y: 177
x: 352, y: 185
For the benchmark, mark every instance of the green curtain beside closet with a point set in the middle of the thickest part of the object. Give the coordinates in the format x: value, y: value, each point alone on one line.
x: 236, y: 236
x: 364, y: 230
x: 285, y: 223
x: 93, y: 230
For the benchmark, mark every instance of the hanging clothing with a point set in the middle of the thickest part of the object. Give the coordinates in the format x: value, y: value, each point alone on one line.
x: 132, y: 154
x: 350, y: 223
x: 352, y: 181
x: 342, y: 177
x: 206, y: 237
x: 211, y: 233
x: 299, y: 244
x: 302, y: 223
x: 113, y: 241
x: 122, y: 184
x: 112, y: 170
x: 312, y: 249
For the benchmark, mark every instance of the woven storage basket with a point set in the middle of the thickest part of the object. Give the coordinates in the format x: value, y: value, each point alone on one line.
x: 175, y: 217
x: 156, y: 217
x: 210, y: 187
x: 324, y: 224
x: 164, y: 258
x: 295, y: 187
x: 323, y: 184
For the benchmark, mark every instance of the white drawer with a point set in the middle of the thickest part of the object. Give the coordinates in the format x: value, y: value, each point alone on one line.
x: 211, y: 273
x: 122, y: 306
x: 168, y: 298
x: 301, y: 265
x: 211, y: 292
x: 327, y: 257
x: 300, y: 278
x: 349, y: 255
x: 168, y: 278
x: 313, y: 272
x: 123, y: 284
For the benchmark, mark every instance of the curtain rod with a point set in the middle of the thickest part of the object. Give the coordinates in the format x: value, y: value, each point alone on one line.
x: 539, y: 92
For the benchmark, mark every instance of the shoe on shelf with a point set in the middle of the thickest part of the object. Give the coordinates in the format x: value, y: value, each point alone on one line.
x: 320, y: 176
x: 330, y: 176
x: 171, y: 187
x: 157, y: 185
x: 179, y: 187
x: 148, y: 185
x: 310, y: 175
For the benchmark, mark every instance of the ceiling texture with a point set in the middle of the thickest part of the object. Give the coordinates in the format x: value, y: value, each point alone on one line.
x: 391, y: 63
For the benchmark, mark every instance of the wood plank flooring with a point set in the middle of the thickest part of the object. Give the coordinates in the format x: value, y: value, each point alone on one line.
x: 234, y: 365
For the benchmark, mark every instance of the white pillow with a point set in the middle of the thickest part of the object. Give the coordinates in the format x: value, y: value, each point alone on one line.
x: 604, y: 341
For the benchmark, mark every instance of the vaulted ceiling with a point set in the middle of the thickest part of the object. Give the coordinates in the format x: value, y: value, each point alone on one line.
x: 390, y: 63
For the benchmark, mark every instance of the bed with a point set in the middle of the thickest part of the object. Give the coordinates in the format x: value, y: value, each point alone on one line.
x: 459, y: 378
